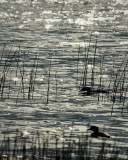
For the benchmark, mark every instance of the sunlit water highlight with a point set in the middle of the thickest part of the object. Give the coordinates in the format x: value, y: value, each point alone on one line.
x: 53, y: 30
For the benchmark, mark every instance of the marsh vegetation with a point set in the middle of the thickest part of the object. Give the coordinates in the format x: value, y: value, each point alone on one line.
x: 50, y: 51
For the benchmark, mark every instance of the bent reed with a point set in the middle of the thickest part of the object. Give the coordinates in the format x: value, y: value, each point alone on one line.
x: 61, y: 145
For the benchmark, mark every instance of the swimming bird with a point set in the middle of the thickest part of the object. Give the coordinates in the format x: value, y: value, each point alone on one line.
x: 89, y: 91
x: 86, y: 90
x: 97, y: 134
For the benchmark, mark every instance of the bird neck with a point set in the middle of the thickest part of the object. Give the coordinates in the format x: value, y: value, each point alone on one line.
x: 96, y: 131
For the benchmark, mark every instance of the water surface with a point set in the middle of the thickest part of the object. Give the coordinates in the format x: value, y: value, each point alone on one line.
x: 35, y: 34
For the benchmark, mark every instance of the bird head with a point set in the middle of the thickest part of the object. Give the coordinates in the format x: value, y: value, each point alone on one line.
x: 94, y: 128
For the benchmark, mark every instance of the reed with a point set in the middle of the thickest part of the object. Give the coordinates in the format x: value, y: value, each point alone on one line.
x: 49, y: 146
x: 32, y: 78
x: 100, y: 75
x: 2, y: 53
x: 85, y: 70
x: 49, y: 75
x: 78, y: 66
x: 56, y: 84
x: 13, y: 63
x: 6, y: 66
x: 119, y: 84
x: 14, y: 77
x: 116, y: 91
x: 93, y: 66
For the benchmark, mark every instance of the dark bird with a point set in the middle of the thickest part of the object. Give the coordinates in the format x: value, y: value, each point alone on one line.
x: 89, y: 91
x: 97, y: 134
x: 86, y: 90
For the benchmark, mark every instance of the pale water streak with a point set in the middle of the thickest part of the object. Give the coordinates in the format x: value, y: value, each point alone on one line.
x: 53, y: 30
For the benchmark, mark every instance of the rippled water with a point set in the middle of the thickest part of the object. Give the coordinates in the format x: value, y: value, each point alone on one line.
x: 37, y: 33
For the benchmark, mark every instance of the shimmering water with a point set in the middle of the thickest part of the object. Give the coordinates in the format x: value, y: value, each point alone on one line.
x: 37, y: 33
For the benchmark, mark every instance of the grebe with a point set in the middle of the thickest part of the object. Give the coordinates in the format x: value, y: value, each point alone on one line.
x: 97, y: 134
x: 88, y: 91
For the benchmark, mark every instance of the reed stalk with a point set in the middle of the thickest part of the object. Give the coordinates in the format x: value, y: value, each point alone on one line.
x: 56, y: 85
x: 48, y: 83
x: 93, y: 65
x: 78, y: 59
x: 85, y: 68
x: 32, y: 78
x: 5, y: 71
x: 38, y: 147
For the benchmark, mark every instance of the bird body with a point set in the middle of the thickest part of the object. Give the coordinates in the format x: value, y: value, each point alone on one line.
x: 96, y: 133
x: 89, y: 91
